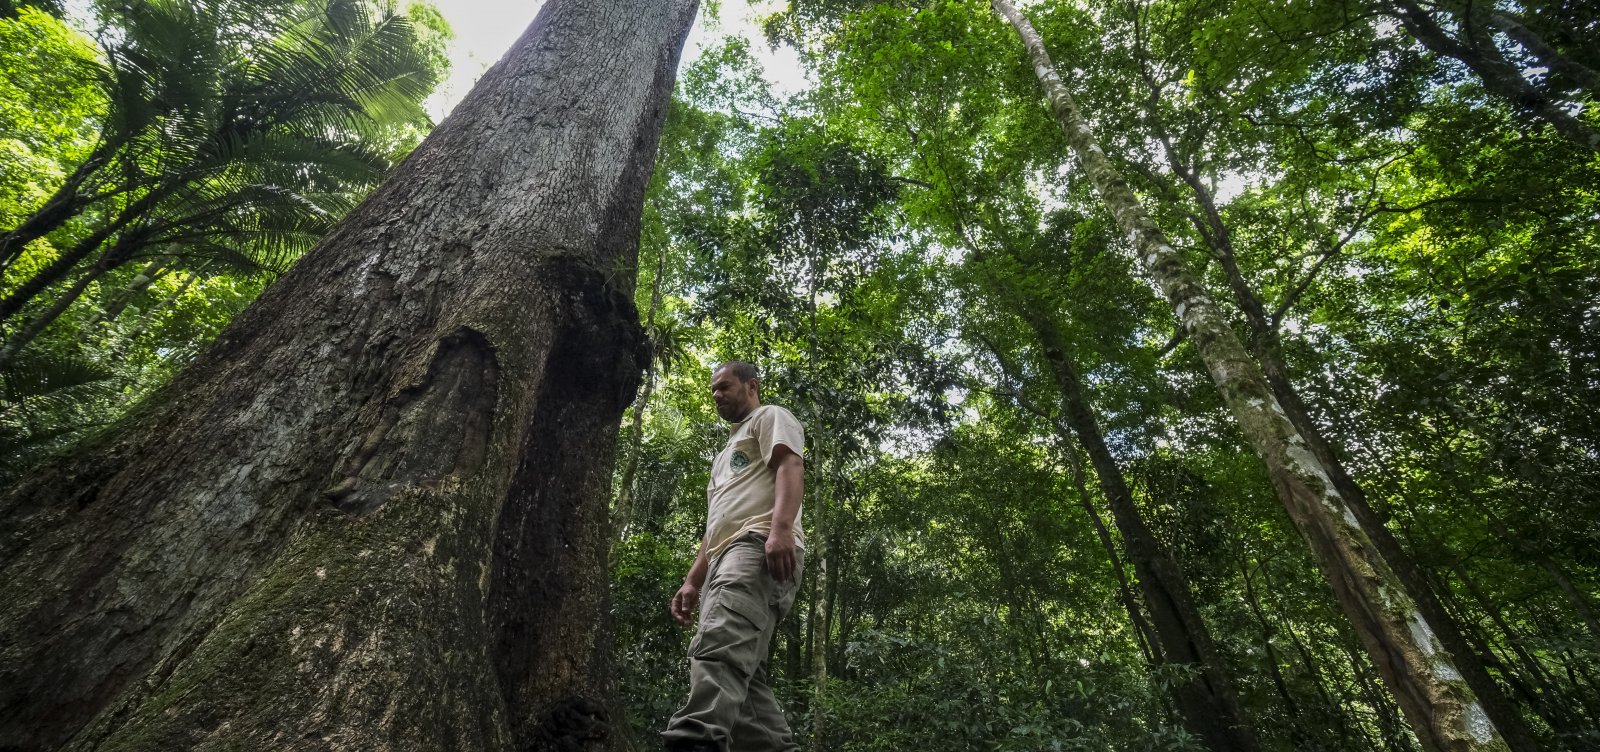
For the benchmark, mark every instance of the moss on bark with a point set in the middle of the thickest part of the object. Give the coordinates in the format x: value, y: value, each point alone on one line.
x: 372, y: 515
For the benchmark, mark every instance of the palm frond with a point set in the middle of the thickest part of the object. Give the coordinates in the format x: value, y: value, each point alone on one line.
x: 39, y: 375
x: 42, y: 403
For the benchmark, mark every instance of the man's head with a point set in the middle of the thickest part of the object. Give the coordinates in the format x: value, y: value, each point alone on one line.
x: 736, y: 388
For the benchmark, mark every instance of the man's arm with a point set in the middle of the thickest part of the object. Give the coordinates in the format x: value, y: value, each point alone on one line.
x: 785, y: 507
x: 687, y: 598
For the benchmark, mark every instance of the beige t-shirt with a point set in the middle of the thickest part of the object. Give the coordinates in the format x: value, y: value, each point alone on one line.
x: 743, y: 487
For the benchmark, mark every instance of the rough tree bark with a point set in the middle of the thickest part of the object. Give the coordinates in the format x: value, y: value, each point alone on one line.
x: 1441, y: 708
x: 373, y: 514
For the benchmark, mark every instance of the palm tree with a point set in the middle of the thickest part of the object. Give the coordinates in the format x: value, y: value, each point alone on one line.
x: 10, y: 8
x: 43, y: 397
x: 239, y: 129
x: 669, y: 340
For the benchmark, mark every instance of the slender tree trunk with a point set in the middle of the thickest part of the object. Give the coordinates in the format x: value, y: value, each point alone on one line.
x: 1578, y: 667
x: 1142, y: 631
x: 147, y: 316
x: 1582, y: 602
x: 1175, y: 633
x: 372, y: 515
x: 1266, y: 345
x: 1579, y: 704
x: 1543, y: 691
x: 1391, y: 729
x: 1209, y: 703
x: 1498, y: 76
x: 1341, y: 709
x: 793, y: 643
x: 819, y: 621
x: 1297, y: 734
x: 135, y: 287
x: 1547, y: 55
x: 112, y: 258
x: 52, y: 273
x: 38, y: 324
x: 1518, y: 676
x: 66, y: 203
x: 127, y: 243
x: 623, y: 516
x: 846, y: 619
x: 831, y: 647
x: 1439, y: 704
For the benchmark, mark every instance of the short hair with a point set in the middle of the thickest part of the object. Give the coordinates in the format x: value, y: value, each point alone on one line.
x: 745, y: 372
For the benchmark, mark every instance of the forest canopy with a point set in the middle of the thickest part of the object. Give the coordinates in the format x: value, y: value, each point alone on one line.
x: 1177, y: 374
x: 157, y: 175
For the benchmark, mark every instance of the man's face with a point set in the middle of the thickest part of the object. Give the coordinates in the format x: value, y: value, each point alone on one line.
x: 735, y: 399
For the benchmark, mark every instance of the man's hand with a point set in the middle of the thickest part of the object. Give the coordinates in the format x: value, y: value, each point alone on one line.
x: 780, y: 555
x: 684, y: 602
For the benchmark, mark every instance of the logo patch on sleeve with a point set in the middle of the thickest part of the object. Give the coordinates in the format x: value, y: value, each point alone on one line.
x: 739, y: 460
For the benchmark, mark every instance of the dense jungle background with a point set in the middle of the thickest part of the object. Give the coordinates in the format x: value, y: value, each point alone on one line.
x: 1034, y: 522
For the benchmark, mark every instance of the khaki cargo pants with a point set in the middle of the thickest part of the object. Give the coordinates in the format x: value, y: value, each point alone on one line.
x: 730, y: 704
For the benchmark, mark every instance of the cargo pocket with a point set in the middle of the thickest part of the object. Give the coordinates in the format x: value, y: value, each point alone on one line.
x: 731, y: 633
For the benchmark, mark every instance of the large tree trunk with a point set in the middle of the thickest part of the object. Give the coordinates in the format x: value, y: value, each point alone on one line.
x: 1442, y: 709
x: 373, y: 514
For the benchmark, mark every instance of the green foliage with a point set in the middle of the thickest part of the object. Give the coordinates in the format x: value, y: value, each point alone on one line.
x: 48, y: 104
x: 1423, y: 252
x: 44, y: 397
x: 165, y: 176
x: 888, y: 247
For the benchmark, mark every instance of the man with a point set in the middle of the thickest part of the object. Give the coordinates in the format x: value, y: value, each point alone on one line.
x: 748, y: 569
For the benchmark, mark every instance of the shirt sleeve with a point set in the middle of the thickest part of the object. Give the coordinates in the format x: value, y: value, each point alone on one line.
x: 779, y: 426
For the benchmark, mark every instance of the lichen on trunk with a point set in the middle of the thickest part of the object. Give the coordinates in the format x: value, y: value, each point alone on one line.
x: 373, y: 514
x: 1441, y: 708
